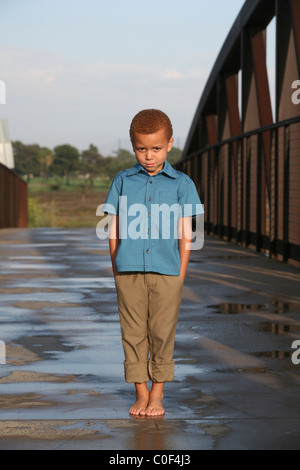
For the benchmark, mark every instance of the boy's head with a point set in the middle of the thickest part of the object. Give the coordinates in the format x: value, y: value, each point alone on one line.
x: 151, y: 136
x: 150, y: 121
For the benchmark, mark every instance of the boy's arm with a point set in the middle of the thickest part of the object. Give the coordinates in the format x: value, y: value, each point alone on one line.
x: 114, y: 241
x: 185, y: 237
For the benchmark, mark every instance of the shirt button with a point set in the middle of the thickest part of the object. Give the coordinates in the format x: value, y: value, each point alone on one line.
x: 147, y: 251
x: 149, y: 198
x: 149, y: 215
x: 150, y: 181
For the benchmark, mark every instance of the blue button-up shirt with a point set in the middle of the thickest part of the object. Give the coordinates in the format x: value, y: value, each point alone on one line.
x: 149, y: 207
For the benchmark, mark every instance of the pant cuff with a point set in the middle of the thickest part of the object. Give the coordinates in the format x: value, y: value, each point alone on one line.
x: 161, y: 372
x: 136, y: 372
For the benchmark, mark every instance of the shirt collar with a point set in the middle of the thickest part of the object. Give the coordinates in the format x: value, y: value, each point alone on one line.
x: 167, y: 169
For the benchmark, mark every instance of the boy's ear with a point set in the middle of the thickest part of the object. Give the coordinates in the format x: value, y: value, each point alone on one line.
x: 170, y: 144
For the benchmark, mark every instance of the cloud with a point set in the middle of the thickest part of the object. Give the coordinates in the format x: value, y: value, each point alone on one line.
x: 173, y: 75
x: 51, y: 99
x: 34, y: 67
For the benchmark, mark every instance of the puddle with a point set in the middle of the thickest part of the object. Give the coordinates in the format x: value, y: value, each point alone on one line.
x: 60, y: 283
x: 38, y: 258
x: 279, y: 328
x: 220, y: 257
x: 29, y: 349
x: 27, y: 245
x: 43, y: 345
x: 58, y: 232
x: 274, y: 354
x: 186, y: 360
x: 245, y: 370
x: 30, y: 266
x: 84, y: 282
x: 271, y: 307
x: 94, y: 246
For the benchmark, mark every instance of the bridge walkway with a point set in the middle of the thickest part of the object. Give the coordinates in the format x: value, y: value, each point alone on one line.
x: 237, y: 380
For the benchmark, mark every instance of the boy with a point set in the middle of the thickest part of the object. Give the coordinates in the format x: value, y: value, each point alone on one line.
x: 149, y: 264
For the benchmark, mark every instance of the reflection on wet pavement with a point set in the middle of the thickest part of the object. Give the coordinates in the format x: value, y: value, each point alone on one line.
x: 273, y: 307
x: 63, y: 379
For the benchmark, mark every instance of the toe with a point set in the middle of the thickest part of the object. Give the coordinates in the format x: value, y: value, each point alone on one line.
x: 155, y: 411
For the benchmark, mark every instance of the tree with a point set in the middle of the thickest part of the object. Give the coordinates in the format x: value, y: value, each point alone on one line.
x: 26, y: 159
x: 174, y: 155
x: 65, y: 160
x: 91, y: 163
x: 45, y: 157
x: 113, y: 164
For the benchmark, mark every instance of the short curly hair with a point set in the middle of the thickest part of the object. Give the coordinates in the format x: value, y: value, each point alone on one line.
x: 149, y: 121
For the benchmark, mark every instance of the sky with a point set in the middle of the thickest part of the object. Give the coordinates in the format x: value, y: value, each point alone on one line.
x: 77, y: 72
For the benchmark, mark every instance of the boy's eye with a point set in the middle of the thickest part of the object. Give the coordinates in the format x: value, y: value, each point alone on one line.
x: 142, y: 149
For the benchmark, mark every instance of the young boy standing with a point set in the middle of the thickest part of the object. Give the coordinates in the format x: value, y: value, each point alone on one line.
x: 150, y: 254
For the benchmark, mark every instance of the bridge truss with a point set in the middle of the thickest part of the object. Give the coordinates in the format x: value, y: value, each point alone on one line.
x: 243, y: 151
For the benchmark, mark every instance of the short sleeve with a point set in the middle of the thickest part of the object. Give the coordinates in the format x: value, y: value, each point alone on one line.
x: 111, y: 204
x: 189, y: 199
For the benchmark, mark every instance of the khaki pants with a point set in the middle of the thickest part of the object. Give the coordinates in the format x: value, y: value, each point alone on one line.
x: 148, y: 305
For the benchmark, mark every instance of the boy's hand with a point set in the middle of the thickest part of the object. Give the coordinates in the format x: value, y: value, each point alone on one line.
x: 185, y: 236
x: 114, y: 241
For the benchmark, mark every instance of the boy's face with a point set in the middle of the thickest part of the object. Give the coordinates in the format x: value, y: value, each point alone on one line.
x: 151, y: 150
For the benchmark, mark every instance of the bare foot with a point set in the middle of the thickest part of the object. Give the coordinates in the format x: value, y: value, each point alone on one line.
x: 139, y: 407
x: 155, y: 407
x: 142, y: 399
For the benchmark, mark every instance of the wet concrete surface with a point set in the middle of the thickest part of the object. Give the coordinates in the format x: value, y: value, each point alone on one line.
x: 62, y: 386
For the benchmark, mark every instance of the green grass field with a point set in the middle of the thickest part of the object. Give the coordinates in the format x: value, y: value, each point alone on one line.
x: 54, y: 203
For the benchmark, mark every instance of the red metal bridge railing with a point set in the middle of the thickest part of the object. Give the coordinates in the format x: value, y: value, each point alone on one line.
x: 13, y: 199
